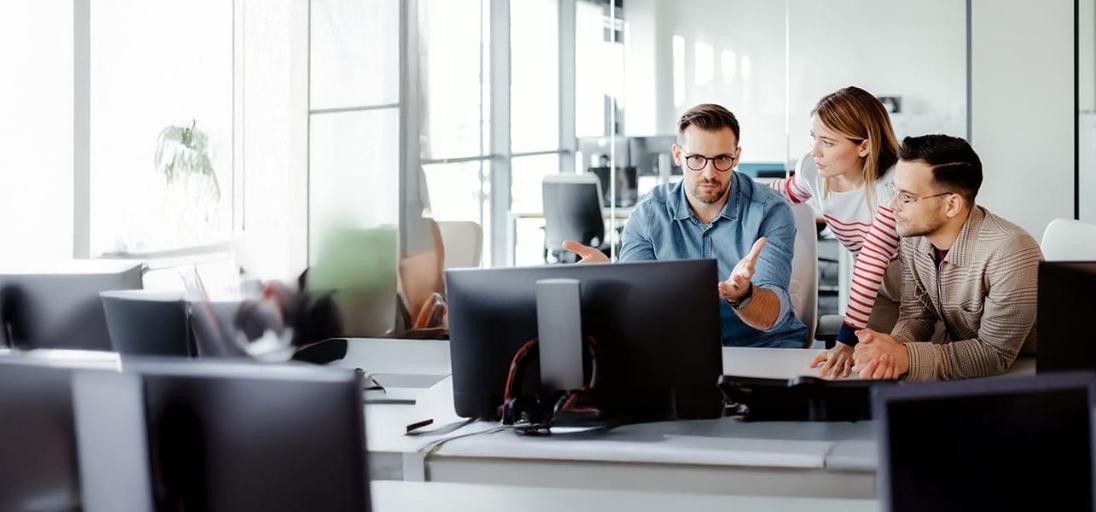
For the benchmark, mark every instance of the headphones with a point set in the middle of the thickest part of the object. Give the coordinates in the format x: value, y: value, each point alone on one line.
x: 534, y: 414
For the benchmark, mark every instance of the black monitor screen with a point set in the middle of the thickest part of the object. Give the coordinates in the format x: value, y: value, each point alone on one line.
x: 61, y: 310
x: 625, y: 192
x: 656, y: 326
x: 37, y: 438
x: 229, y: 437
x: 1067, y: 299
x: 1012, y: 450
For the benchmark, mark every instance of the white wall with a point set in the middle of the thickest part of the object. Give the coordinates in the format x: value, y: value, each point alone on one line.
x: 751, y: 31
x: 916, y: 50
x: 1022, y: 108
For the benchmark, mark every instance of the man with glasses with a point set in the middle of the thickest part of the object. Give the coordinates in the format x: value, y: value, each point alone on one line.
x: 717, y: 213
x: 964, y: 267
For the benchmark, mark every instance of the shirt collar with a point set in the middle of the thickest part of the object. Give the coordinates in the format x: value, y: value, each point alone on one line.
x: 958, y: 254
x: 680, y: 209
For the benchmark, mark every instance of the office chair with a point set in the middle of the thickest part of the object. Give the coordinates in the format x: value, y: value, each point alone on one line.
x: 572, y: 211
x: 463, y: 242
x: 1069, y: 240
x: 144, y: 322
x: 803, y: 287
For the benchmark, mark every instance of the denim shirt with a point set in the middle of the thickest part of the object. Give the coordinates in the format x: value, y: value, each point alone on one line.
x: 664, y: 227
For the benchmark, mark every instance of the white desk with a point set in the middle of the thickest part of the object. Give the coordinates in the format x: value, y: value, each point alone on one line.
x: 433, y: 497
x: 724, y: 456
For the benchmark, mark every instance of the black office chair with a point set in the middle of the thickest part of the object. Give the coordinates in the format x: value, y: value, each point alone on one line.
x: 572, y: 211
x: 144, y: 322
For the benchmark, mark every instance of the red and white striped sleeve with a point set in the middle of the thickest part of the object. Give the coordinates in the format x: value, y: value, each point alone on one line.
x: 791, y: 189
x: 880, y: 246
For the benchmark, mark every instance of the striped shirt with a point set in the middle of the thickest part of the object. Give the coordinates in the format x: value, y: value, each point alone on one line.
x: 867, y: 231
x: 984, y: 293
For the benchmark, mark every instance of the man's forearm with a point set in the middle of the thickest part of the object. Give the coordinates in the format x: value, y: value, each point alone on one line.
x: 762, y: 310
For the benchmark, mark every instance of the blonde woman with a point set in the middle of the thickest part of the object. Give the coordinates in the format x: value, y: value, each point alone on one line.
x: 847, y: 178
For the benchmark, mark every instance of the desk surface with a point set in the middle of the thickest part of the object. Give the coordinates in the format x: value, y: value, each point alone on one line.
x: 724, y: 456
x: 389, y: 496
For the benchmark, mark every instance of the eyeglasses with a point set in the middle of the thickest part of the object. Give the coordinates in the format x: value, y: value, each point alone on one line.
x: 903, y: 199
x: 722, y: 163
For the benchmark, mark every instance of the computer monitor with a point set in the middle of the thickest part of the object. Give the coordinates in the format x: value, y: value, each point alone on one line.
x: 38, y: 451
x: 656, y: 325
x: 644, y: 154
x: 59, y: 307
x: 1067, y: 299
x: 1003, y: 443
x: 240, y: 436
x: 603, y: 151
x: 626, y: 192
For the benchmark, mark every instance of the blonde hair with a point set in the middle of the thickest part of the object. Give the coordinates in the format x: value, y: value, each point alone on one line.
x: 859, y: 116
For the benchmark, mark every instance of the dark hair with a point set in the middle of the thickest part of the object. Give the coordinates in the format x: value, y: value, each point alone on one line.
x: 954, y: 163
x: 708, y: 117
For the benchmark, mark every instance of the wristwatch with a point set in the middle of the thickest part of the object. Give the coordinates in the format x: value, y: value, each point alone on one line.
x: 741, y: 303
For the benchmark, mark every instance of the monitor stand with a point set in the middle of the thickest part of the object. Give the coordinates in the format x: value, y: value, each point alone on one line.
x: 559, y: 327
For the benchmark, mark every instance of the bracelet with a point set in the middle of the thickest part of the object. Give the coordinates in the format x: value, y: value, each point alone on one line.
x: 741, y: 303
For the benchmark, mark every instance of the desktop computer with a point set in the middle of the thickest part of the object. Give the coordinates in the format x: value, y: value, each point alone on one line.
x: 1001, y: 443
x: 239, y: 436
x: 1067, y: 295
x: 212, y: 435
x: 38, y: 451
x: 656, y: 326
x: 61, y: 308
x: 626, y: 192
x: 650, y: 154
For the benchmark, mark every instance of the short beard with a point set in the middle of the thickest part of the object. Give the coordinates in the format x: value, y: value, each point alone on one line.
x: 712, y: 200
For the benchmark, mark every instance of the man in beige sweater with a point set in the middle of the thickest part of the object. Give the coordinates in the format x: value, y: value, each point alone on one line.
x: 962, y: 266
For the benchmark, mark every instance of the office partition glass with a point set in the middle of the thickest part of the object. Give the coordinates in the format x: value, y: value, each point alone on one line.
x: 1086, y: 118
x: 353, y: 176
x: 355, y: 54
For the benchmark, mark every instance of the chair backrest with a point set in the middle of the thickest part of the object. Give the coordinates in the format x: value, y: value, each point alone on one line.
x: 1069, y: 240
x: 146, y: 322
x: 803, y: 287
x: 572, y: 210
x: 463, y: 241
x: 420, y: 273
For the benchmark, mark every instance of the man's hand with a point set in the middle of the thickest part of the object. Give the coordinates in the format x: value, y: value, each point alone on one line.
x: 879, y: 356
x: 739, y: 283
x: 836, y: 362
x: 586, y: 253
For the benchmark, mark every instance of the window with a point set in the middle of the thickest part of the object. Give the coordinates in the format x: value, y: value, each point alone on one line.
x: 452, y: 79
x: 36, y: 45
x: 172, y: 90
x: 534, y: 75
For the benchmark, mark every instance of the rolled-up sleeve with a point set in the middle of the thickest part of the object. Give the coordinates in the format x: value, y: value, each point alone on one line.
x: 774, y: 265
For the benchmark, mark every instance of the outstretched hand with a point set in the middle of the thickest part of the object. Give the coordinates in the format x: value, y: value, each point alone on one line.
x: 736, y: 286
x: 586, y: 253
